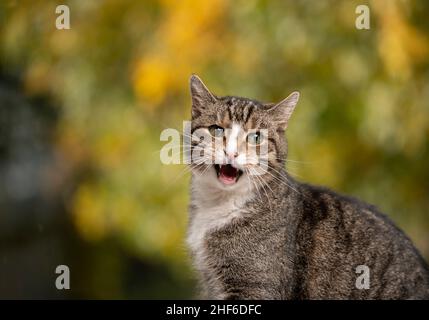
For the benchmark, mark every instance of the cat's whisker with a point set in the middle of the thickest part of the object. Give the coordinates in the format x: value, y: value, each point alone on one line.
x: 180, y: 151
x: 285, y: 177
x: 295, y: 161
x: 249, y: 175
x: 177, y: 146
x: 208, y: 166
x: 182, y: 172
x: 187, y: 169
x: 192, y: 138
x: 299, y: 161
x: 265, y: 191
x: 267, y: 185
x: 285, y: 182
x: 257, y: 181
x: 293, y: 173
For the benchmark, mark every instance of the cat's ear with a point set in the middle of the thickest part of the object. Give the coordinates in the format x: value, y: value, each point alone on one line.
x: 202, y: 98
x: 282, y: 111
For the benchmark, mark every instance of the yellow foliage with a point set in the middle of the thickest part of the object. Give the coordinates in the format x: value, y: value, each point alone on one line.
x: 89, y: 212
x: 152, y: 77
x: 186, y: 36
x: 400, y: 44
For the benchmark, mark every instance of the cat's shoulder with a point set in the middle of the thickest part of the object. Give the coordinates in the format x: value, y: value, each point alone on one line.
x: 350, y: 210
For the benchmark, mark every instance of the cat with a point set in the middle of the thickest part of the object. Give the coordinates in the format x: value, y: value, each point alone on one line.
x: 268, y: 236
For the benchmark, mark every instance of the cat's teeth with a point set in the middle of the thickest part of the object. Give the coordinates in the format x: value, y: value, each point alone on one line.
x: 228, y: 174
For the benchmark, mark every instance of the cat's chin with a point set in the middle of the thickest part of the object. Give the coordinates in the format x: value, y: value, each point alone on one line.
x: 227, y: 174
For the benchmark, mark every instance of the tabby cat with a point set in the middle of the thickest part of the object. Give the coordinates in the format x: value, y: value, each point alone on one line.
x: 267, y: 236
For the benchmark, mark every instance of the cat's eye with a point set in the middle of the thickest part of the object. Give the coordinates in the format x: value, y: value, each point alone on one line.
x: 216, y: 131
x: 254, y: 138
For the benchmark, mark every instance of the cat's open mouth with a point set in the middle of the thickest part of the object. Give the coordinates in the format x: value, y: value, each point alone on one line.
x: 227, y: 174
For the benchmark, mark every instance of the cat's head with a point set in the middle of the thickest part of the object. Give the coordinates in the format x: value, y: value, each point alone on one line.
x: 237, y: 141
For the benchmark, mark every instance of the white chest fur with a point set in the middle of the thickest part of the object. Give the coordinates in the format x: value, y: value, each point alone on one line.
x: 213, y: 208
x: 206, y: 220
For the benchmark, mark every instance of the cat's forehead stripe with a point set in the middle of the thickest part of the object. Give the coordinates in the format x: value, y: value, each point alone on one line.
x: 248, y: 112
x: 240, y: 110
x: 230, y: 113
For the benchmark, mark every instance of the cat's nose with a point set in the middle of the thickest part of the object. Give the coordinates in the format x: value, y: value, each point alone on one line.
x: 231, y: 155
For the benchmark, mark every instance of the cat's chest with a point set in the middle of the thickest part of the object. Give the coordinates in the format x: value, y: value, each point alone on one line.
x: 207, y: 219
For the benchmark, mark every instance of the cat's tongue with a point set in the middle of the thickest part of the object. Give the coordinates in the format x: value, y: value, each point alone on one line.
x: 228, y: 174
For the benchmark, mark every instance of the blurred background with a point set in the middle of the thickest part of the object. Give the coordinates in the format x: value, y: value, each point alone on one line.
x: 81, y: 112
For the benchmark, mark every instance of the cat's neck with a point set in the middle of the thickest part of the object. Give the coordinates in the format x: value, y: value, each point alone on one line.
x: 208, y: 194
